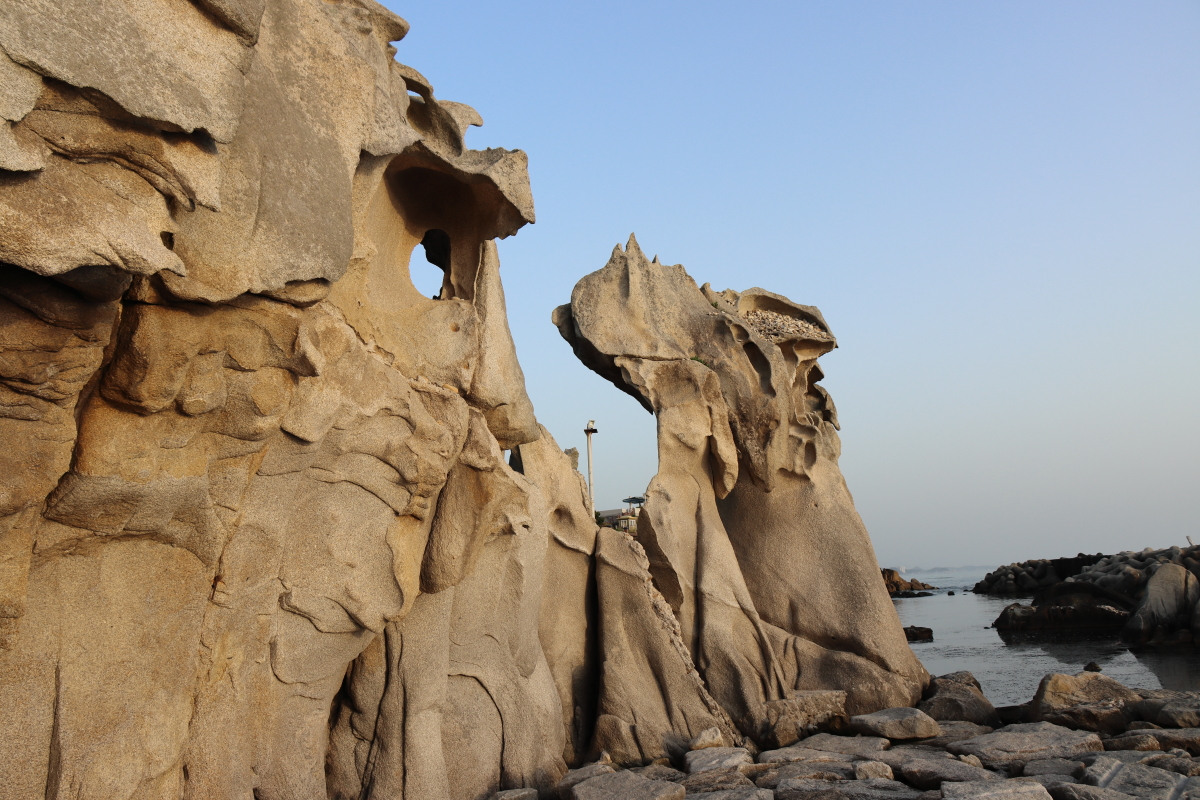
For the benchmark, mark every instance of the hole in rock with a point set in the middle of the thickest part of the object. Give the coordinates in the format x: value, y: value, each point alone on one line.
x: 437, y: 252
x: 168, y: 239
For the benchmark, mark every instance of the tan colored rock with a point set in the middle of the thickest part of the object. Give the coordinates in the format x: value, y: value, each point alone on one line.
x: 747, y: 477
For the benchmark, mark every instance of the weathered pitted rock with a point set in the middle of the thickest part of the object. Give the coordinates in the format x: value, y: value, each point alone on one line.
x: 625, y: 785
x: 866, y: 770
x: 804, y: 713
x: 800, y: 753
x: 1075, y: 792
x: 1167, y: 606
x: 850, y: 745
x: 896, y: 723
x: 958, y: 696
x: 870, y: 789
x: 1023, y: 742
x: 1018, y: 789
x: 1138, y: 780
x: 716, y: 780
x: 1088, y: 700
x: 265, y: 542
x: 931, y: 773
x: 713, y: 758
x: 747, y: 477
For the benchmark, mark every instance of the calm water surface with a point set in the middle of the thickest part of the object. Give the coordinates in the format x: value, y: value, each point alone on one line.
x: 1009, y: 673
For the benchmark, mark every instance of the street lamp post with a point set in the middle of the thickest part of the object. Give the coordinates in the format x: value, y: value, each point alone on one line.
x: 589, y: 430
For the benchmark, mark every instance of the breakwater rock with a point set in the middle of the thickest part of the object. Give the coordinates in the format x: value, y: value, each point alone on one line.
x: 1151, y: 597
x: 1081, y: 737
x: 1028, y: 576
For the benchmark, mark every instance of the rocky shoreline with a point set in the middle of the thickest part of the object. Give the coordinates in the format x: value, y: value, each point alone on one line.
x: 1149, y: 597
x: 1081, y: 737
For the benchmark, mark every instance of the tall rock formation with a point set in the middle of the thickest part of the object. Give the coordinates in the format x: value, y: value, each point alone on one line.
x: 257, y: 531
x: 274, y: 524
x: 749, y: 530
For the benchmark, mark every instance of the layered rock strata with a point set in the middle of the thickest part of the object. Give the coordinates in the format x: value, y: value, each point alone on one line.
x: 750, y: 534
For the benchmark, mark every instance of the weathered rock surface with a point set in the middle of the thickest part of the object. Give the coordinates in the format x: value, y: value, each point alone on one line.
x: 1088, y: 700
x: 711, y: 758
x: 626, y: 785
x: 896, y: 723
x: 958, y: 697
x: 1023, y: 742
x: 1138, y: 780
x: 931, y: 773
x: 748, y: 476
x: 849, y: 745
x: 1167, y: 605
x: 1018, y: 789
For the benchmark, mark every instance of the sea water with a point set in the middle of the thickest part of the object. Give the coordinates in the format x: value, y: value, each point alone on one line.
x: 1009, y: 672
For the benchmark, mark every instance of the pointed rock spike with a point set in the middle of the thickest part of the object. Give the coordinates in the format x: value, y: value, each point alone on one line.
x: 632, y: 246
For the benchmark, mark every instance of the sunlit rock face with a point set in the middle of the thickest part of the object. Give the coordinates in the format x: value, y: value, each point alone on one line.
x: 259, y: 536
x: 274, y: 524
x: 749, y: 530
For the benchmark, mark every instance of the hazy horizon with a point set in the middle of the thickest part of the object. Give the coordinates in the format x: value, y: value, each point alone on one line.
x: 997, y: 208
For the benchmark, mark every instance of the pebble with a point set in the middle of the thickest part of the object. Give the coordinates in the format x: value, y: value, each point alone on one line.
x: 780, y: 327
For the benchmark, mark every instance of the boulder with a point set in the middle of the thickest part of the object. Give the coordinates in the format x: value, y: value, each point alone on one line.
x: 1132, y: 742
x: 626, y: 785
x: 1016, y: 744
x: 709, y: 737
x: 930, y: 773
x: 1016, y: 789
x: 517, y: 794
x: 1138, y: 780
x: 1184, y: 766
x: 659, y: 772
x: 915, y: 633
x: 1088, y: 700
x: 959, y: 697
x: 1171, y: 595
x: 716, y: 780
x: 850, y: 745
x: 712, y: 758
x: 735, y: 794
x: 896, y: 723
x: 1183, y: 738
x: 1078, y: 792
x: 801, y: 753
x: 814, y: 770
x: 864, y: 770
x: 871, y: 789
x: 953, y: 731
x: 1052, y: 766
x: 1180, y: 713
x: 578, y: 776
x: 801, y: 714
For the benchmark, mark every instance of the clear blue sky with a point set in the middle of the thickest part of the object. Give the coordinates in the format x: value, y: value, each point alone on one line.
x: 996, y: 206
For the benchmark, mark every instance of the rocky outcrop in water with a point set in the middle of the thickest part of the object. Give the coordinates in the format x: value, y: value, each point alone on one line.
x: 1151, y: 597
x: 897, y: 585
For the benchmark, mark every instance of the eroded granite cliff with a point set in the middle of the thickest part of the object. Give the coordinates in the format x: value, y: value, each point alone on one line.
x: 259, y: 534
